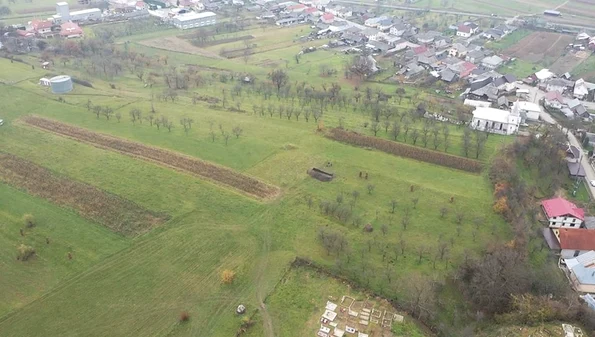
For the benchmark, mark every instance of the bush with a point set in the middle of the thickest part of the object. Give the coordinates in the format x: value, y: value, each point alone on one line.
x: 184, y: 316
x: 82, y: 82
x: 29, y: 220
x: 25, y: 252
x: 405, y: 150
x: 227, y: 276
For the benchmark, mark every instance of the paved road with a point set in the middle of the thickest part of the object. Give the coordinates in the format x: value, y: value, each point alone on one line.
x: 453, y: 12
x: 536, y: 95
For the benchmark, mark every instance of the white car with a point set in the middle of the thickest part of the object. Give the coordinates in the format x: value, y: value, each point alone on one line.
x: 592, y: 182
x: 1, y: 122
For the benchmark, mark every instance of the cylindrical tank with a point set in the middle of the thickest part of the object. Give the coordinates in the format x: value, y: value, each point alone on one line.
x: 61, y: 84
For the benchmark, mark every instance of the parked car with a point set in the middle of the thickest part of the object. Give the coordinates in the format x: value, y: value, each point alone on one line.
x: 1, y: 122
x: 592, y: 182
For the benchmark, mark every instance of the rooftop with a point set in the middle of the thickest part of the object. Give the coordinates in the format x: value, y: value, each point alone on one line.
x: 528, y: 106
x: 577, y: 238
x: 561, y: 207
x: 194, y: 16
x: 491, y: 114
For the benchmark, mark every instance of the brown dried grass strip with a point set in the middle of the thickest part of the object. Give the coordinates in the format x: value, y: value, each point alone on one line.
x: 404, y: 150
x: 218, y: 174
x: 116, y: 213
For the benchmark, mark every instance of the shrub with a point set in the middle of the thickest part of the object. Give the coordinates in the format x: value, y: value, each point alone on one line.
x: 82, y: 82
x: 184, y: 316
x: 405, y: 150
x: 25, y: 252
x: 29, y: 220
x: 227, y: 276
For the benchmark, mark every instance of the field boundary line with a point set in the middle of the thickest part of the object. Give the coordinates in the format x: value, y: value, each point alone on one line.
x: 277, y: 190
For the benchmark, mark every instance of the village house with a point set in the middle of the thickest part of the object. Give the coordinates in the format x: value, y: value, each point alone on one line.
x: 41, y: 27
x: 327, y: 18
x: 561, y: 213
x: 475, y: 56
x: 492, y: 62
x: 399, y: 29
x: 582, y: 89
x: 527, y: 110
x: 457, y: 50
x: 558, y: 84
x: 581, y: 270
x: 495, y: 121
x: 464, y: 31
x: 543, y: 75
x: 554, y: 99
x: 575, y: 242
x: 70, y: 30
x: 577, y: 108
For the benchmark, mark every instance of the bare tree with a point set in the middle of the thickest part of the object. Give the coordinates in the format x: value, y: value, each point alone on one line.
x: 107, y: 112
x: 443, y: 212
x: 393, y: 205
x: 415, y: 201
x: 118, y: 116
x: 370, y: 188
x: 375, y: 128
x: 279, y: 78
x: 237, y: 131
x: 395, y: 130
x: 226, y: 136
x: 414, y: 136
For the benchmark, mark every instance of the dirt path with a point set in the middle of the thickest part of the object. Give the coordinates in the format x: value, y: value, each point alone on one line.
x: 261, y: 285
x: 552, y: 45
x: 176, y: 44
x: 562, y: 5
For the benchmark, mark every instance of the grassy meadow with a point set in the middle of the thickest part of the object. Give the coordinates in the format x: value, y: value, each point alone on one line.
x: 116, y: 286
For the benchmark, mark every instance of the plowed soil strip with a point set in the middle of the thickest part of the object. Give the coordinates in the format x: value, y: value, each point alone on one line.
x: 404, y: 150
x: 218, y: 174
x: 118, y: 214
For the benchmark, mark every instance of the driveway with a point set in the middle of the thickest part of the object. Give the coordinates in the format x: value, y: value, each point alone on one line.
x: 535, y: 95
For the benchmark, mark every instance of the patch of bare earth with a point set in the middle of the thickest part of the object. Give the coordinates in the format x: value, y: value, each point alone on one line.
x: 218, y: 174
x: 116, y: 213
x: 176, y: 44
x: 539, y: 46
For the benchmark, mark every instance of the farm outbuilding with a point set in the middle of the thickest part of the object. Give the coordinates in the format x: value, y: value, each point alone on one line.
x: 551, y: 13
x: 61, y: 84
x: 320, y: 174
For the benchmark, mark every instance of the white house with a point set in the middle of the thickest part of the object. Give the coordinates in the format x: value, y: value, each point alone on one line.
x: 527, y: 110
x: 457, y: 50
x: 495, y: 121
x: 544, y: 75
x: 558, y: 84
x: 477, y: 104
x: 464, y: 31
x: 554, y: 99
x: 562, y: 213
x: 582, y: 89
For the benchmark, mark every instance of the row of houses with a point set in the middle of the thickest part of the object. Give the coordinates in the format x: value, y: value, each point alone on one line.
x: 570, y: 234
x: 48, y: 29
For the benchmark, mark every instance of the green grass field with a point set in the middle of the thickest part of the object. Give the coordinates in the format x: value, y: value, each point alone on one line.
x: 138, y: 287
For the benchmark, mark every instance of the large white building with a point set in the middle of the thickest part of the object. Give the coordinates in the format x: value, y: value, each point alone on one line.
x: 63, y: 14
x: 527, y: 110
x: 495, y: 121
x: 194, y: 20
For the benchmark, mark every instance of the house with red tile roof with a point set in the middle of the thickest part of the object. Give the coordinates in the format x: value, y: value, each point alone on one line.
x: 575, y: 242
x: 70, y: 30
x: 41, y: 27
x: 561, y: 213
x: 464, y: 31
x: 554, y: 99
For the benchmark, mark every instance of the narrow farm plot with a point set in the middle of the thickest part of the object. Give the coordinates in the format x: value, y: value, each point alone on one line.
x: 405, y: 150
x: 540, y: 47
x: 218, y: 174
x: 119, y: 215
